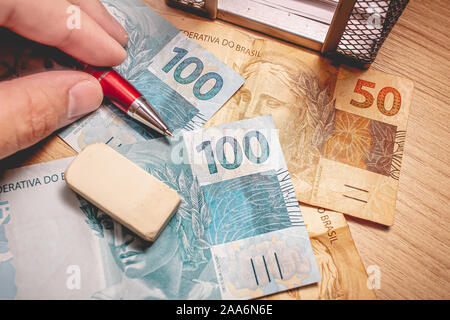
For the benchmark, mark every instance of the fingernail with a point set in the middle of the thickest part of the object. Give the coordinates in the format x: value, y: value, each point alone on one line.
x: 84, y: 97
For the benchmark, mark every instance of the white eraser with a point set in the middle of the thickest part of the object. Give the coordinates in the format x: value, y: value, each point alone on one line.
x: 123, y: 190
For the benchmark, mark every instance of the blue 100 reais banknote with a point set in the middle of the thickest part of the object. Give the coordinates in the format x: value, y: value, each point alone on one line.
x: 238, y: 232
x: 185, y: 83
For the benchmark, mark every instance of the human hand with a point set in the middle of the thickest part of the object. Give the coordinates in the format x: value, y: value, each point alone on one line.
x: 34, y: 106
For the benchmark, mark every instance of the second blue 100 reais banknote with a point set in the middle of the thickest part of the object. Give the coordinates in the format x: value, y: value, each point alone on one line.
x: 258, y: 240
x: 185, y: 83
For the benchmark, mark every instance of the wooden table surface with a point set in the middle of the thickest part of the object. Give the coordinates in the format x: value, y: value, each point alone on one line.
x: 414, y: 254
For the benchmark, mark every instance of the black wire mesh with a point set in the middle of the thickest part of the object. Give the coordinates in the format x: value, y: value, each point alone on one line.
x: 369, y: 25
x: 194, y: 6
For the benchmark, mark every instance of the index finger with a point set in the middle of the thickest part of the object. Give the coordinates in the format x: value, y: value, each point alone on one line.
x: 48, y: 22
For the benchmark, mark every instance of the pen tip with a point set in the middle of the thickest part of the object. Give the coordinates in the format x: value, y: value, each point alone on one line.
x: 169, y: 133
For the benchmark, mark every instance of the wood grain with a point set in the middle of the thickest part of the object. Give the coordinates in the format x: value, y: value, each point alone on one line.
x: 414, y: 254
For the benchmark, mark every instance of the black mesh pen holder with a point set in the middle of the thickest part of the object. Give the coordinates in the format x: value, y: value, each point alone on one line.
x: 367, y: 27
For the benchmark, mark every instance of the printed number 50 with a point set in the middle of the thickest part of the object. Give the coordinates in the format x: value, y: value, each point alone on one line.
x: 205, y: 146
x: 381, y: 98
x: 194, y: 75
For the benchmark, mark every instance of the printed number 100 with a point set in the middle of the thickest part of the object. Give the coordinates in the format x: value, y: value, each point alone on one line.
x: 205, y: 146
x: 194, y: 75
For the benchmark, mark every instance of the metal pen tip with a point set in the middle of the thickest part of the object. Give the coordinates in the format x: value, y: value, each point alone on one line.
x: 142, y: 111
x: 168, y: 133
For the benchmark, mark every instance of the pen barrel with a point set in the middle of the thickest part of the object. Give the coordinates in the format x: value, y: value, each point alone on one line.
x: 126, y: 97
x: 115, y: 87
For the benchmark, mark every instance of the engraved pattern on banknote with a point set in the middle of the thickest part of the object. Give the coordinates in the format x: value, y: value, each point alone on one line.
x: 9, y: 289
x: 254, y: 202
x: 400, y: 138
x: 381, y: 201
x: 332, y: 285
x: 95, y: 218
x: 361, y: 142
x: 379, y: 157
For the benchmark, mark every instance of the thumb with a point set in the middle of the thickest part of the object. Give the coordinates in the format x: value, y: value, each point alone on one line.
x: 32, y: 107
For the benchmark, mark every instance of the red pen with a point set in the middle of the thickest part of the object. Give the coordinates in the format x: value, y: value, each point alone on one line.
x: 127, y: 98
